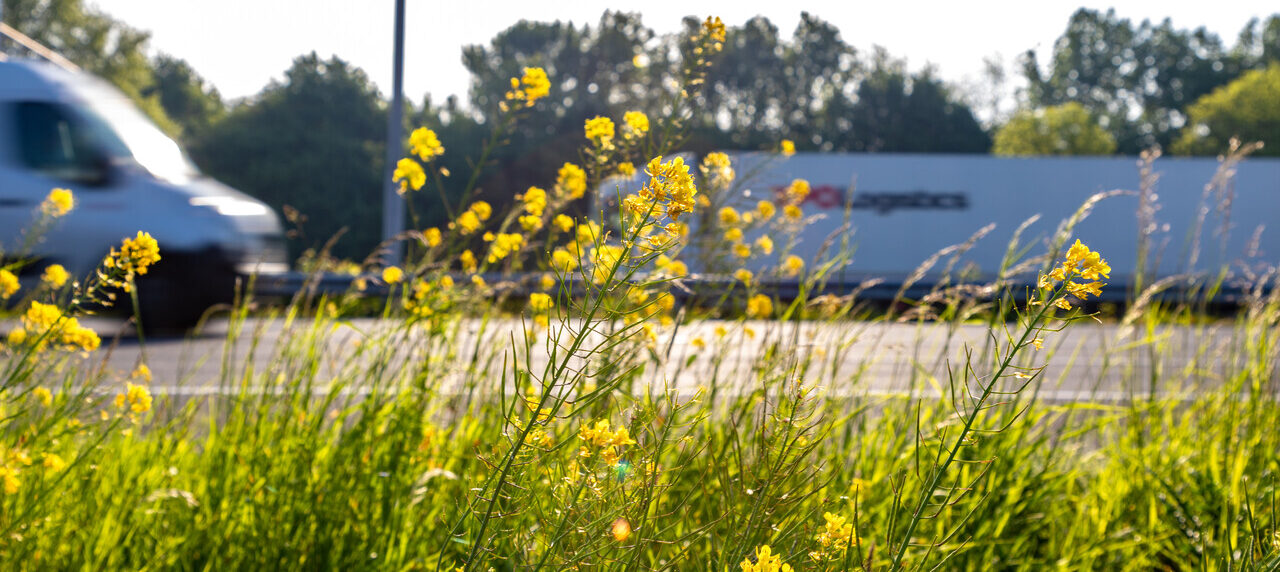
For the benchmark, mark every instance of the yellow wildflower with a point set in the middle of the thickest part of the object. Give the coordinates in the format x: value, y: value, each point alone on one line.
x: 563, y: 261
x: 571, y: 181
x: 58, y: 203
x: 530, y: 223
x: 765, y: 561
x: 793, y: 212
x: 11, y: 481
x: 699, y: 343
x: 793, y: 265
x: 834, y: 540
x: 563, y: 222
x: 743, y: 275
x: 43, y: 395
x: 9, y: 284
x: 760, y: 306
x: 626, y: 169
x: 138, y: 253
x: 482, y: 209
x: 136, y: 396
x: 141, y: 372
x: 741, y: 250
x: 409, y: 174
x: 446, y: 282
x: 503, y: 245
x: 798, y: 190
x: 1038, y: 343
x: 424, y: 143
x: 765, y: 244
x: 54, y: 275
x: 531, y: 87
x: 540, y: 303
x: 535, y: 200
x: 468, y: 261
x: 468, y: 222
x: 54, y: 463
x: 733, y: 235
x: 392, y: 275
x: 547, y: 281
x: 714, y: 29
x: 729, y: 216
x: 788, y: 147
x: 17, y: 336
x: 676, y: 268
x: 637, y: 122
x: 432, y: 236
x: 765, y: 209
x: 599, y: 129
x: 716, y: 166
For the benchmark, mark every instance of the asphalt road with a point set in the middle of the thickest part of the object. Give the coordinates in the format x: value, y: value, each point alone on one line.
x: 1087, y: 361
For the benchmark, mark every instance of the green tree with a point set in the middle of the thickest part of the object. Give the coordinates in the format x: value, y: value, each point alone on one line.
x: 909, y: 113
x: 313, y: 142
x: 183, y: 95
x: 1142, y: 77
x: 1067, y: 129
x: 1247, y: 108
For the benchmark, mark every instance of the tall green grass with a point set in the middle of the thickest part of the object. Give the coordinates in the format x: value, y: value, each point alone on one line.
x: 614, y: 430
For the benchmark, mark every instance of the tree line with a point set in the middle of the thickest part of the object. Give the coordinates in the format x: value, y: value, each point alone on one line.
x: 312, y: 143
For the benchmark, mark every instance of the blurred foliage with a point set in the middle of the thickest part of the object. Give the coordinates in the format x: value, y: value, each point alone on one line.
x: 313, y: 142
x: 1247, y: 108
x: 1141, y: 78
x: 1067, y: 129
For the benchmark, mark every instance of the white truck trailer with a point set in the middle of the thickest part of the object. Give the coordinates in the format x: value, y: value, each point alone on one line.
x: 904, y: 208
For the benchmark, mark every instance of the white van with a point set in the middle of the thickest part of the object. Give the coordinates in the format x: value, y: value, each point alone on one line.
x: 68, y: 129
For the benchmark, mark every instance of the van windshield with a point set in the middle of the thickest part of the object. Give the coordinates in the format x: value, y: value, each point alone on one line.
x: 126, y: 133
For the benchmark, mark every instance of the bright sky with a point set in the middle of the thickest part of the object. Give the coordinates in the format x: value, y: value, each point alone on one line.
x: 240, y: 45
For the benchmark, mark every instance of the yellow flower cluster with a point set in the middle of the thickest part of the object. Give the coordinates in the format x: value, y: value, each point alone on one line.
x: 432, y: 237
x: 136, y: 396
x: 787, y: 148
x: 58, y: 203
x: 55, y: 275
x: 425, y: 144
x: 392, y: 275
x: 637, y: 123
x: 600, y: 436
x: 793, y: 265
x: 760, y: 306
x: 473, y: 218
x: 540, y: 303
x: 765, y: 561
x: 670, y: 186
x: 136, y: 254
x: 1080, y: 263
x: 717, y: 169
x: 426, y: 297
x: 409, y: 174
x: 835, y: 539
x: 603, y: 260
x: 530, y: 87
x: 45, y: 324
x: 571, y: 181
x: 503, y: 245
x: 743, y: 275
x: 535, y: 201
x: 765, y: 209
x: 667, y: 266
x: 599, y: 130
x: 9, y: 284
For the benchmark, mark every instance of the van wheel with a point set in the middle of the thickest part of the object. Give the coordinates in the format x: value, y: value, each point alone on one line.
x: 176, y: 292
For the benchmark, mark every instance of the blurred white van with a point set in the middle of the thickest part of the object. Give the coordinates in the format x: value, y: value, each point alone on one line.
x: 64, y: 128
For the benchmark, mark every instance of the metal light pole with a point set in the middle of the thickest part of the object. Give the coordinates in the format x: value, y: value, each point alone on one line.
x: 392, y: 207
